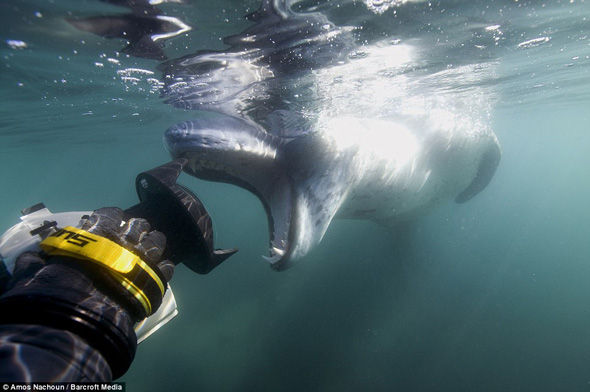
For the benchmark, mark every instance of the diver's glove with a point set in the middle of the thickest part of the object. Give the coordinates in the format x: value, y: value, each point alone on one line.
x: 94, y: 281
x: 141, y: 289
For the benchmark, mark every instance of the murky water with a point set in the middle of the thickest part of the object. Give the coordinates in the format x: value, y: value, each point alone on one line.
x: 486, y: 296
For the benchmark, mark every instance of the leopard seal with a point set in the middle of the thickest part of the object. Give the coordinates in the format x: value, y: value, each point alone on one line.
x: 337, y: 170
x: 372, y: 146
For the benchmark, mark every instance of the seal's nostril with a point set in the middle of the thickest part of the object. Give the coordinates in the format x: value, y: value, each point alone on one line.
x: 175, y: 132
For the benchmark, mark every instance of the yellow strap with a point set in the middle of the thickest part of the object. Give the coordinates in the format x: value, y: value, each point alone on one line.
x: 81, y: 244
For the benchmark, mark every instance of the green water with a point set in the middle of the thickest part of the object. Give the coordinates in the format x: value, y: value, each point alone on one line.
x: 492, y: 295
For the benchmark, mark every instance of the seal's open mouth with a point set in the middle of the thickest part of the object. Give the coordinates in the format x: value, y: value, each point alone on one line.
x: 300, y: 196
x: 227, y: 149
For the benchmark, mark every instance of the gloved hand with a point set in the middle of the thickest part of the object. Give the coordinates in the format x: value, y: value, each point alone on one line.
x: 84, y: 297
x: 33, y: 272
x: 135, y: 236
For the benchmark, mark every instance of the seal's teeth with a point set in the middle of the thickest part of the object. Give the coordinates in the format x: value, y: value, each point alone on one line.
x: 276, y: 254
x: 272, y: 259
x: 277, y: 251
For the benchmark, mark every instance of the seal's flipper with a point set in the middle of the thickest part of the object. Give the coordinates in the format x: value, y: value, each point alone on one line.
x: 137, y: 30
x: 145, y: 28
x: 485, y: 171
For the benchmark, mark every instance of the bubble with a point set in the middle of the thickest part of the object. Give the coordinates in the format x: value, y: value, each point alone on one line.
x: 16, y: 44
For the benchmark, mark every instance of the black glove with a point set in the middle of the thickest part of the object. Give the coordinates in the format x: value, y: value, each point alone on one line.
x: 84, y: 297
x: 134, y: 235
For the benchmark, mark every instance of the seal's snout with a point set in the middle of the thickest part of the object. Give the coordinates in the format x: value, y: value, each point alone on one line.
x: 177, y: 132
x: 175, y: 137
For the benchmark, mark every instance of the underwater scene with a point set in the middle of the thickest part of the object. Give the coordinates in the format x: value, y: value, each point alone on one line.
x: 407, y: 181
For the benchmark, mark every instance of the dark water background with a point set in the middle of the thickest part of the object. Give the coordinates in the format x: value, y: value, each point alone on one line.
x: 492, y: 295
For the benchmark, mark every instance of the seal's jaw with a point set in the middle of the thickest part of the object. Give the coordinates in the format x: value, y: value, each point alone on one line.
x: 271, y: 187
x: 299, y: 193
